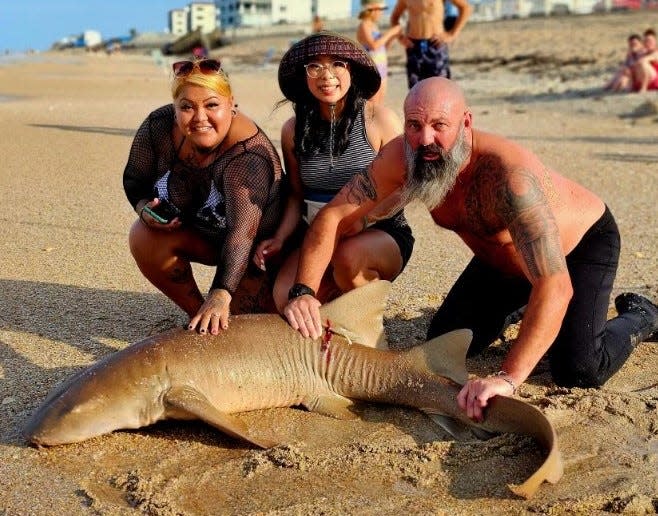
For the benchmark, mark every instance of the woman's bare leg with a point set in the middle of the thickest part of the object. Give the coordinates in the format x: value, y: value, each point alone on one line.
x: 368, y: 256
x: 164, y: 258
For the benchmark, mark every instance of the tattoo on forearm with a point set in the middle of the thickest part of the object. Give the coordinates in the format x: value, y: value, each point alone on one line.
x: 180, y: 275
x: 361, y: 188
x: 531, y: 223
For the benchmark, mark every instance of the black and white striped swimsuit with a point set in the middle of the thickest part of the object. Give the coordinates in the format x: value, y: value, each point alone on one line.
x: 321, y: 182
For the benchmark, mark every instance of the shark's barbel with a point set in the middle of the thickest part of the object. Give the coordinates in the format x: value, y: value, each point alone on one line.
x: 261, y: 362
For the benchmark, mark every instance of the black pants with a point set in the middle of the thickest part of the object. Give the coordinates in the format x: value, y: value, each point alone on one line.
x: 589, y: 349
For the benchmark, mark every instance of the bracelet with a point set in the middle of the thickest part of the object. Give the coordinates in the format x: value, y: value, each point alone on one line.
x: 504, y: 375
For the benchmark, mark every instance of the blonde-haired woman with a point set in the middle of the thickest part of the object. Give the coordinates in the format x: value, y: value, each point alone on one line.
x: 206, y: 182
x: 375, y: 41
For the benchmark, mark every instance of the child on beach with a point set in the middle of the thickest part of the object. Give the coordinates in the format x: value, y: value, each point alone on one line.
x: 375, y: 41
x: 622, y: 80
x: 645, y: 70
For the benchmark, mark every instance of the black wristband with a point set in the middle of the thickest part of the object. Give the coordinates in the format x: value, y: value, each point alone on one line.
x: 299, y: 289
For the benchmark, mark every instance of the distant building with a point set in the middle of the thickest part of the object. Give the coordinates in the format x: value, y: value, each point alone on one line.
x: 259, y: 13
x: 178, y: 22
x: 332, y: 9
x: 295, y: 11
x: 197, y: 15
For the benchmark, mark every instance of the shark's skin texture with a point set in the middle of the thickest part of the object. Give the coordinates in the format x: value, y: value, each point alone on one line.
x: 261, y: 362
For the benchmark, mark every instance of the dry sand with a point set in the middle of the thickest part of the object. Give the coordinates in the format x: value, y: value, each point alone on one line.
x: 70, y: 293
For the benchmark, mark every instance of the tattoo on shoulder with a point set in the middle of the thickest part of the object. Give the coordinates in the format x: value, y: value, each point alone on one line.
x: 530, y: 220
x: 502, y: 199
x: 361, y: 188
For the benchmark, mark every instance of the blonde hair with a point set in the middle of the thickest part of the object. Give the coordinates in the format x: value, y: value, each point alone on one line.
x: 217, y: 82
x: 367, y: 7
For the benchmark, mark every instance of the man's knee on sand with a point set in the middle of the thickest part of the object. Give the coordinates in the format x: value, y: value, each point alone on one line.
x: 571, y: 373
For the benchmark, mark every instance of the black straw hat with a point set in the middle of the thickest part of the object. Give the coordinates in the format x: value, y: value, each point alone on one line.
x: 292, y: 76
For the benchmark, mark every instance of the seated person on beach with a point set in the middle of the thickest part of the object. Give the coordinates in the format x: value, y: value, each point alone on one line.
x: 425, y: 39
x: 623, y: 78
x: 375, y: 41
x: 206, y: 183
x: 539, y: 241
x: 645, y: 70
x: 334, y: 134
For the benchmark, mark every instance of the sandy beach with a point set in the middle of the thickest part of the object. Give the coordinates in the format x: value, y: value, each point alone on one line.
x: 70, y: 293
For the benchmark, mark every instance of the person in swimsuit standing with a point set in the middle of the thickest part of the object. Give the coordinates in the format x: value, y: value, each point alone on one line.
x: 425, y: 38
x: 375, y: 41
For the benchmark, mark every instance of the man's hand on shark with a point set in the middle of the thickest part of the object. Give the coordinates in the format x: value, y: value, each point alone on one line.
x: 303, y: 314
x: 476, y: 392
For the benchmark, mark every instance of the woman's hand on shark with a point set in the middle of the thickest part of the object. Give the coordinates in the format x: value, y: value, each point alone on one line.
x: 303, y: 314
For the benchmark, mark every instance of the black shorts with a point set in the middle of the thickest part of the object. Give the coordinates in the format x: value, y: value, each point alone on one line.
x: 396, y: 226
x: 399, y: 229
x: 425, y: 60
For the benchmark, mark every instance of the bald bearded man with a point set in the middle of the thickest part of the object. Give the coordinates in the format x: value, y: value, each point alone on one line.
x: 540, y: 241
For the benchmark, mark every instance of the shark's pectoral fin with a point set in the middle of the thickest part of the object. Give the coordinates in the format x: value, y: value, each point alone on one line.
x: 331, y: 405
x: 457, y: 429
x: 187, y: 401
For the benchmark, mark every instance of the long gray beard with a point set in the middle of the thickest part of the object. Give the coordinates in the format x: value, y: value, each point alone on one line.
x: 430, y: 181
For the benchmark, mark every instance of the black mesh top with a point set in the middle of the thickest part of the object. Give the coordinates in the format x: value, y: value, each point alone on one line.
x: 235, y: 201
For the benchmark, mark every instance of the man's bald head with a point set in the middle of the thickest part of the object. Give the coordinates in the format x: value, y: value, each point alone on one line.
x: 436, y: 92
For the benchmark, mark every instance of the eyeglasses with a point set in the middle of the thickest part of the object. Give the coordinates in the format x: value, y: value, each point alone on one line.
x: 314, y: 70
x: 205, y: 66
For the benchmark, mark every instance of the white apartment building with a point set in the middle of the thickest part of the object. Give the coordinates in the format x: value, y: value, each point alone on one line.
x: 258, y: 13
x: 332, y: 9
x: 290, y: 11
x: 196, y: 15
x: 178, y: 22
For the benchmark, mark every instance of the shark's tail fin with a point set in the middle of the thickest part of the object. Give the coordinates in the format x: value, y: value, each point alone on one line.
x: 446, y: 356
x: 511, y: 415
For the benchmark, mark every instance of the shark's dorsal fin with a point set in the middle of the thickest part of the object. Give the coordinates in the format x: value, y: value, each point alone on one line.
x: 360, y: 313
x: 445, y: 355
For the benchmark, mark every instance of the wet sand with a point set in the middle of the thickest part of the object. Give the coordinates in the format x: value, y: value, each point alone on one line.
x: 70, y: 294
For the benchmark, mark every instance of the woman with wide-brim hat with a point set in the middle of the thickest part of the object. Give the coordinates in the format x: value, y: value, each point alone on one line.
x: 334, y: 135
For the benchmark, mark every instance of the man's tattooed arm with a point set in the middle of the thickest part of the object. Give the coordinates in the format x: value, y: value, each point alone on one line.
x: 361, y: 188
x: 524, y: 207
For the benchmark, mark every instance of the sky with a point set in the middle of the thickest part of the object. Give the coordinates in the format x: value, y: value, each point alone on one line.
x: 37, y: 24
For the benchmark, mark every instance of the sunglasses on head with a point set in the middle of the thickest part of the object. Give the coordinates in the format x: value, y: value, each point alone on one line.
x: 205, y: 66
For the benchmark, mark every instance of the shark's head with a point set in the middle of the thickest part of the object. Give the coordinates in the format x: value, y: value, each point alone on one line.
x: 87, y: 405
